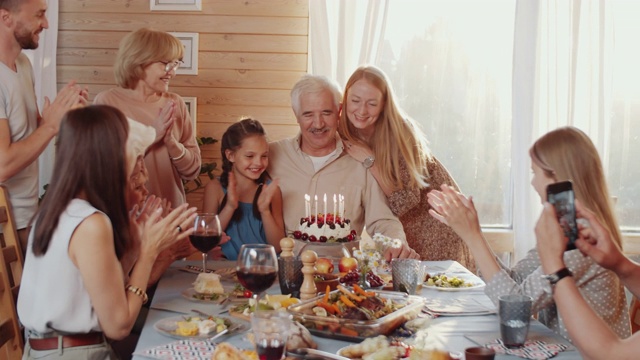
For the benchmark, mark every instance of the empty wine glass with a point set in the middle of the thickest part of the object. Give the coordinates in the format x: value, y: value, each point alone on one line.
x: 257, y: 267
x: 206, y: 235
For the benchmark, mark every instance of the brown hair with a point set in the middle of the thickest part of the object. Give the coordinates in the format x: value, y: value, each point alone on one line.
x: 396, y: 135
x: 141, y: 48
x: 567, y: 153
x: 90, y: 158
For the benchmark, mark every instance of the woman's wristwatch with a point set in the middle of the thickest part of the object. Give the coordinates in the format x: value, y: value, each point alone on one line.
x: 368, y: 162
x: 557, y: 276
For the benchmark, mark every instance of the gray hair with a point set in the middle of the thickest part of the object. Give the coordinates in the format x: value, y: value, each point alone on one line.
x: 314, y: 84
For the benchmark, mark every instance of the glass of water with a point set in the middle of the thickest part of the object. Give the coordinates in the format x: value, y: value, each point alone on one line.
x: 515, y: 316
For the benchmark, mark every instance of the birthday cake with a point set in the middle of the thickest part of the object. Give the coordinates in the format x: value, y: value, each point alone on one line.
x: 324, y: 227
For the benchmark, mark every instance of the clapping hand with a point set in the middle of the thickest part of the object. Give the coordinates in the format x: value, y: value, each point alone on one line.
x: 164, y: 121
x: 264, y: 200
x: 455, y: 210
x: 69, y: 97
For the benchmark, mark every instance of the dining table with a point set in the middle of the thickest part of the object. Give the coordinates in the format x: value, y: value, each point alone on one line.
x: 446, y: 331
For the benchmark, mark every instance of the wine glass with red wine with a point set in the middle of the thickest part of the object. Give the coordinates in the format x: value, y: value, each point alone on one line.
x: 256, y: 268
x: 271, y: 331
x: 206, y: 235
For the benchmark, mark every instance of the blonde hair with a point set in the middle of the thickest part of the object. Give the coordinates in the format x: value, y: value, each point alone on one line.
x: 396, y: 136
x: 567, y: 153
x: 141, y: 48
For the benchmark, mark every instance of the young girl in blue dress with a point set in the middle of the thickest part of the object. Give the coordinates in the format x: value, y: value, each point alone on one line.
x: 247, y: 202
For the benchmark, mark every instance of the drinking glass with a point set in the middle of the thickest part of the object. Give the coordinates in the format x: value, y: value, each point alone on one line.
x: 206, y: 235
x: 271, y: 332
x: 257, y: 268
x: 515, y: 315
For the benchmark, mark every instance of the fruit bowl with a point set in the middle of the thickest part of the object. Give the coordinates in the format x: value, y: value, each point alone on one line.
x: 322, y: 280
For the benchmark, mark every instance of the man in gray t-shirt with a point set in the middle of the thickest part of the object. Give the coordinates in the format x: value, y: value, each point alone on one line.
x: 24, y: 134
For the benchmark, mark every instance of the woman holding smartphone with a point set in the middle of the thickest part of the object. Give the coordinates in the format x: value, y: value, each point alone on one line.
x: 562, y: 154
x: 589, y: 333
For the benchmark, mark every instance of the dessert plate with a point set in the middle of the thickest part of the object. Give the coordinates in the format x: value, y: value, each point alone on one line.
x: 168, y: 327
x: 192, y: 295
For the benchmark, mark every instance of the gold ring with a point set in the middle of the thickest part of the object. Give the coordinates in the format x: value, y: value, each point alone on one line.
x: 179, y: 229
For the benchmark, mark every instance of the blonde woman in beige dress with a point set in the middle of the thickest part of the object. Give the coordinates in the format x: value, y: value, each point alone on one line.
x: 395, y: 151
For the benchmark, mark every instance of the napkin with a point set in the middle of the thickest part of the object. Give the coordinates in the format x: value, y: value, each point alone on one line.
x: 181, y: 350
x: 532, y: 349
x: 460, y: 307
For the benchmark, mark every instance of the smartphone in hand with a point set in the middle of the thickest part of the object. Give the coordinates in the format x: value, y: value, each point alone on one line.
x: 561, y: 196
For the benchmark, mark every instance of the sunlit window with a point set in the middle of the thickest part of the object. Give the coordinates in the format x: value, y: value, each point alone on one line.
x: 451, y: 71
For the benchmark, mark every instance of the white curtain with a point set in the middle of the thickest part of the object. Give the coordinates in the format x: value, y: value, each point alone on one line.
x: 43, y: 60
x: 571, y: 63
x: 345, y: 34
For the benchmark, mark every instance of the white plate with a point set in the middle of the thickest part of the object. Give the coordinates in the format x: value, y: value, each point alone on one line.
x: 475, y: 282
x: 190, y: 293
x: 169, y: 325
x: 472, y: 287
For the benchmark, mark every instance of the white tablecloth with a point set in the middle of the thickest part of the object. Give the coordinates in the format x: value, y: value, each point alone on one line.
x: 453, y: 333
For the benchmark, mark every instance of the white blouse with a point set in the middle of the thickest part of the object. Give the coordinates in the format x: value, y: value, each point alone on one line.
x: 52, y: 294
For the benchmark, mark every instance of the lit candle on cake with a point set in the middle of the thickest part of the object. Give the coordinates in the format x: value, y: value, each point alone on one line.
x: 325, y: 205
x: 341, y: 205
x: 307, y: 205
x: 316, y: 205
x: 334, y: 206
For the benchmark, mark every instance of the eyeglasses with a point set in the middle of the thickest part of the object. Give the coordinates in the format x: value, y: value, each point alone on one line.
x: 171, y: 65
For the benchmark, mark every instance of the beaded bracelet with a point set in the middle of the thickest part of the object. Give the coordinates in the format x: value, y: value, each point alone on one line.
x: 184, y: 152
x: 139, y: 292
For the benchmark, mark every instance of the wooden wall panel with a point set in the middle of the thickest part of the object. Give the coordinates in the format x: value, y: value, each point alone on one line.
x: 250, y: 54
x: 219, y: 7
x: 187, y: 22
x: 256, y: 43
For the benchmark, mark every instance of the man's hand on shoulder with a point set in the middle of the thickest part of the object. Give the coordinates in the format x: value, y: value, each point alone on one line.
x: 403, y: 252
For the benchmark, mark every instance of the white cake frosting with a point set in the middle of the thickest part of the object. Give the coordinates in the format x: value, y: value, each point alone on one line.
x: 332, y: 231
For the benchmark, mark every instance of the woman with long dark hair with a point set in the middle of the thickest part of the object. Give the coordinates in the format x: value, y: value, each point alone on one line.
x: 73, y: 293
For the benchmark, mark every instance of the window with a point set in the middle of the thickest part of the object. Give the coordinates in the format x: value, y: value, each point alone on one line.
x: 486, y: 79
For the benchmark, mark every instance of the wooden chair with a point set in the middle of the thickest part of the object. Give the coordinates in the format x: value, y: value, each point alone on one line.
x: 11, y: 263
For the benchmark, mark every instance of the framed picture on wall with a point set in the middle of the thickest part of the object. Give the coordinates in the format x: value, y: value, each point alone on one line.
x: 190, y: 58
x: 175, y: 5
x: 192, y: 108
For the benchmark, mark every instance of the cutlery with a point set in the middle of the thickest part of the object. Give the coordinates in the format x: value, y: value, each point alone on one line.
x: 307, y: 353
x: 195, y: 269
x: 218, y: 335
